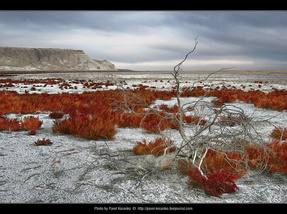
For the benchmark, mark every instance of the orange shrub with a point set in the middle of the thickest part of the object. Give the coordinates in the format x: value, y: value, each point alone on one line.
x: 228, y: 162
x: 218, y: 102
x: 11, y: 125
x: 56, y: 115
x: 133, y: 120
x: 166, y: 108
x: 194, y: 119
x: 188, y: 119
x: 279, y: 133
x: 86, y: 126
x: 194, y: 92
x: 141, y: 148
x: 184, y: 166
x: 256, y: 156
x: 278, y: 158
x: 31, y: 123
x: 153, y: 123
x: 28, y: 123
x: 156, y: 147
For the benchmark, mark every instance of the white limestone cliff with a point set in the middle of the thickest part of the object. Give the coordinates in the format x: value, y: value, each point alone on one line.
x: 49, y: 59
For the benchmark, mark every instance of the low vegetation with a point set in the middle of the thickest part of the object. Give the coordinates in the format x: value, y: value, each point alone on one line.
x: 97, y: 115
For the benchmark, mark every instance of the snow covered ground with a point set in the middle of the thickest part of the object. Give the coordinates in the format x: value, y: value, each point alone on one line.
x: 75, y: 170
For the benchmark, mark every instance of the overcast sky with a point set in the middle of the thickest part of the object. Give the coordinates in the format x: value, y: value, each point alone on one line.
x: 157, y: 40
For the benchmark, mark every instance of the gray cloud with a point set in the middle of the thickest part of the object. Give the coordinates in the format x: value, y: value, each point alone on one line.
x: 146, y: 38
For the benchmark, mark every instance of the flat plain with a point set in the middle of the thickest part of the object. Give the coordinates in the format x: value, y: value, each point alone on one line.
x: 77, y: 170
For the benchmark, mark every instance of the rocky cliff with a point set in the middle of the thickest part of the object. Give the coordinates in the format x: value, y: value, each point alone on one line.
x: 49, y: 59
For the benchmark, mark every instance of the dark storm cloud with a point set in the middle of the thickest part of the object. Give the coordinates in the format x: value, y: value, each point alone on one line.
x: 100, y: 20
x: 254, y: 31
x: 253, y: 39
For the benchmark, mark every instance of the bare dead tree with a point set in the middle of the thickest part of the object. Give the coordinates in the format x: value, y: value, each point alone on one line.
x: 197, y: 139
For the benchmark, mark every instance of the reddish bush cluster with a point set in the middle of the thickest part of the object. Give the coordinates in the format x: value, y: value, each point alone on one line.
x: 166, y: 108
x: 273, y: 100
x: 28, y: 123
x: 96, y: 105
x: 31, y: 123
x: 188, y: 119
x: 12, y: 125
x: 56, y: 115
x: 43, y: 142
x: 277, y: 156
x: 132, y: 120
x: 215, y: 161
x: 279, y: 133
x: 218, y: 102
x: 223, y: 167
x: 228, y: 162
x: 214, y: 185
x: 86, y: 126
x: 59, y: 104
x: 194, y: 92
x: 156, y: 147
x: 153, y: 123
x: 274, y: 156
x: 194, y: 119
x: 256, y: 156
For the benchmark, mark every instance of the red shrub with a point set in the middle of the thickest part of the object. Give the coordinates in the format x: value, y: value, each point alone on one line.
x: 32, y: 132
x: 279, y: 133
x: 153, y: 123
x: 56, y: 115
x: 31, y: 123
x: 195, y: 92
x: 256, y: 156
x: 164, y: 107
x: 190, y: 119
x: 43, y: 142
x: 28, y: 123
x: 11, y: 125
x: 87, y: 126
x: 141, y: 148
x: 156, y: 147
x: 194, y: 119
x: 195, y: 179
x: 133, y: 120
x: 278, y: 158
x: 159, y: 146
x: 219, y: 183
x: 218, y: 102
x: 184, y: 166
x: 214, y: 185
x: 221, y: 169
x: 228, y: 162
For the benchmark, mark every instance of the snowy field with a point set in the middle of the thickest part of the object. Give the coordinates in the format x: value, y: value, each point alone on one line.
x: 75, y: 170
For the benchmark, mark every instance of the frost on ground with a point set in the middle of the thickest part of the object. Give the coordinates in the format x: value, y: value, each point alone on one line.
x: 74, y: 170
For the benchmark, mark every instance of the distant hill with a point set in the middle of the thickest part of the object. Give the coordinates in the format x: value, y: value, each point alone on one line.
x: 49, y: 59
